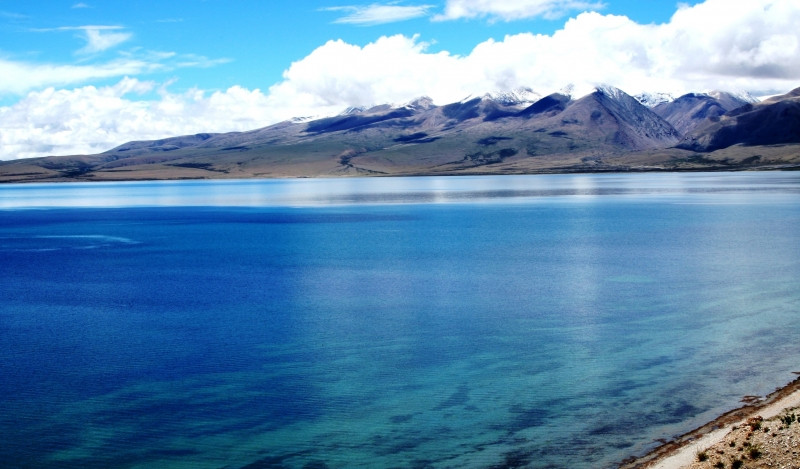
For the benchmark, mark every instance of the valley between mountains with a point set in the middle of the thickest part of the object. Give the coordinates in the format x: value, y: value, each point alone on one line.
x: 511, y: 133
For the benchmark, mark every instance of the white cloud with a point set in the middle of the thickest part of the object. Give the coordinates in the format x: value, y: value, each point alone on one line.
x: 80, y: 5
x: 713, y: 45
x: 20, y: 77
x: 510, y: 10
x: 98, y: 39
x: 376, y: 14
x: 339, y: 74
x: 753, y: 46
x: 12, y: 15
x: 91, y: 120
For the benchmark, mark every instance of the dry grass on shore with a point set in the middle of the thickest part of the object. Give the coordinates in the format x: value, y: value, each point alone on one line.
x: 759, y: 443
x: 760, y: 434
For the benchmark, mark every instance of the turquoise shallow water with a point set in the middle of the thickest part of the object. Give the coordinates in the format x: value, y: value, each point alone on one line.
x: 533, y: 321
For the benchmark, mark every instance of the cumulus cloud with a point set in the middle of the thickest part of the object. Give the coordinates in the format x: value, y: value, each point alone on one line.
x: 390, y: 69
x: 376, y: 14
x: 707, y: 46
x: 510, y: 10
x: 95, y: 119
x: 752, y: 47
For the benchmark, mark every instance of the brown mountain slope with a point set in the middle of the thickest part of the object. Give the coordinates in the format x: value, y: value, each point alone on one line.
x: 775, y: 121
x: 606, y: 130
x: 692, y: 110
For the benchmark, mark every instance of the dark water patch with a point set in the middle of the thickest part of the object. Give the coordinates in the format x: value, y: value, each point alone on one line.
x: 611, y: 426
x: 624, y: 444
x: 654, y: 362
x: 458, y: 398
x: 523, y: 418
x: 315, y: 465
x: 422, y: 464
x: 678, y: 412
x: 615, y: 389
x: 396, y: 419
x: 515, y: 459
x: 274, y: 462
x: 398, y: 443
x: 175, y: 453
x: 29, y: 446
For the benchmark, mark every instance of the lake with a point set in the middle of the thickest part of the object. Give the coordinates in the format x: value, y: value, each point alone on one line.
x: 480, y: 322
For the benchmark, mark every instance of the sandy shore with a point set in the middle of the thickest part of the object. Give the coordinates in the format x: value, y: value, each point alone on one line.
x: 731, y: 429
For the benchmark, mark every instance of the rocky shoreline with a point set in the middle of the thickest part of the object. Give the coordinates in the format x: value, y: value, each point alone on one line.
x: 760, y: 434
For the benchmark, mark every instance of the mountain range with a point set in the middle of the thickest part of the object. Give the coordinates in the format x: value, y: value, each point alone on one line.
x: 501, y: 133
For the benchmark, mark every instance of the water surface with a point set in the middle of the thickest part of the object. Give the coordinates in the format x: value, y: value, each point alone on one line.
x: 514, y: 321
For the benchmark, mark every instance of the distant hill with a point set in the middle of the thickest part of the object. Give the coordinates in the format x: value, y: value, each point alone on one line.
x: 689, y: 111
x: 774, y: 121
x: 502, y: 133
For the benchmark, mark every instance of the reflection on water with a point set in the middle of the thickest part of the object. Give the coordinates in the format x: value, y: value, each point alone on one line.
x: 396, y: 190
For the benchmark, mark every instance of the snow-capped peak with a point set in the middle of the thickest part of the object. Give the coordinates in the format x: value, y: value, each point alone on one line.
x: 610, y: 91
x: 515, y: 97
x: 353, y: 110
x: 740, y: 95
x: 653, y: 99
x: 422, y: 103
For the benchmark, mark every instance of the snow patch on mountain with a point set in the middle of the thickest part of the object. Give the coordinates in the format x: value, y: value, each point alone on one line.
x: 353, y: 110
x: 516, y: 97
x: 612, y: 92
x: 423, y: 103
x: 577, y: 91
x: 301, y: 120
x: 653, y: 99
x: 740, y: 95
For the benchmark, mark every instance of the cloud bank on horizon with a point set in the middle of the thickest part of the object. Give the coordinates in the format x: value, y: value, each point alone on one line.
x: 717, y: 44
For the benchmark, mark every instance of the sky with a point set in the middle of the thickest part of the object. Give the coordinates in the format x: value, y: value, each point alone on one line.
x: 84, y: 76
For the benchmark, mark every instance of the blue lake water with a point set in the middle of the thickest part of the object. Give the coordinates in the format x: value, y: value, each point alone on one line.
x: 479, y: 322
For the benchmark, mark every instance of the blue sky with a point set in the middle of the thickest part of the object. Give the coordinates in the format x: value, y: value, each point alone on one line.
x: 248, y: 42
x: 83, y: 76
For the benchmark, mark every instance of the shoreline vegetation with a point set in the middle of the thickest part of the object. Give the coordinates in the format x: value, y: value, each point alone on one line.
x: 760, y: 433
x: 163, y: 173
